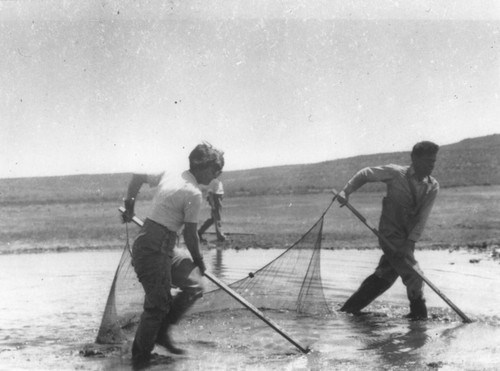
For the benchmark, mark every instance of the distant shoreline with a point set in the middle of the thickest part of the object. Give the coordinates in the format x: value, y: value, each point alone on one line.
x: 487, y: 247
x: 461, y: 218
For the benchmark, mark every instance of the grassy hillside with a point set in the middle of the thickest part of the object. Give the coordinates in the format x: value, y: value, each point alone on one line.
x: 466, y: 163
x: 469, y: 162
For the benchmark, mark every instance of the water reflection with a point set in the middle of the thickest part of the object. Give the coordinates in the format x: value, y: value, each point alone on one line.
x: 217, y: 261
x: 395, y: 343
x: 53, y: 303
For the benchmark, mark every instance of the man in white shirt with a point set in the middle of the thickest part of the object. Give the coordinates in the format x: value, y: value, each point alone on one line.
x: 176, y: 205
x: 215, y: 194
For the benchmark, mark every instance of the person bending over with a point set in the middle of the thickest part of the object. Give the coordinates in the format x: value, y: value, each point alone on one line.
x: 158, y: 266
x: 411, y: 192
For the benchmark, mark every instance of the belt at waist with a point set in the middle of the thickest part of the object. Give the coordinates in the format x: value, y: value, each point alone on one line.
x: 157, y: 228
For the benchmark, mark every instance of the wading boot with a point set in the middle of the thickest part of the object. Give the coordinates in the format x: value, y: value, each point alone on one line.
x: 418, y: 310
x: 163, y: 338
x: 139, y: 359
x: 372, y: 287
x: 165, y: 341
x: 180, y: 305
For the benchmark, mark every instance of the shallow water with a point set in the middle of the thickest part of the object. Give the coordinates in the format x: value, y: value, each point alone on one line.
x: 52, y: 304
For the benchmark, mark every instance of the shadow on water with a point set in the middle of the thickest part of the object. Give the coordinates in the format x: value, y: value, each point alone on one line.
x: 395, y: 343
x: 388, y: 342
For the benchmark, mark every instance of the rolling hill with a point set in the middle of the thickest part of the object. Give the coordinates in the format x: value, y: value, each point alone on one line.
x: 473, y: 161
x: 469, y: 162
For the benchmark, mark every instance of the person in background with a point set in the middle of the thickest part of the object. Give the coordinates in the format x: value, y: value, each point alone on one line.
x: 176, y: 205
x: 215, y: 194
x: 411, y: 192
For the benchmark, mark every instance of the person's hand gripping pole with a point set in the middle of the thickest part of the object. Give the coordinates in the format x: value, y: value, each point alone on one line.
x: 343, y: 200
x: 237, y: 297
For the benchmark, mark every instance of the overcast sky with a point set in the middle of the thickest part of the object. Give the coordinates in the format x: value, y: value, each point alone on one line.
x: 123, y: 86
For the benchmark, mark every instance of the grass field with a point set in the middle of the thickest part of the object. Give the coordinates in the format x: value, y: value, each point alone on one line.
x: 468, y: 216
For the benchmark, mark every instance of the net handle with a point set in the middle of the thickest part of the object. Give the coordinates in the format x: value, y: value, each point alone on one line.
x: 414, y: 267
x: 331, y: 203
x: 239, y: 298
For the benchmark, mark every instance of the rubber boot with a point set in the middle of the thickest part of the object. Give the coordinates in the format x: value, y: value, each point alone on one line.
x: 180, y: 305
x: 418, y: 310
x: 147, y: 330
x: 165, y: 340
x: 139, y: 359
x: 372, y: 287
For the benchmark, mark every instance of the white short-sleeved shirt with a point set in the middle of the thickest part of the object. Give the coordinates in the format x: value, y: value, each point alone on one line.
x: 177, y: 199
x: 215, y: 187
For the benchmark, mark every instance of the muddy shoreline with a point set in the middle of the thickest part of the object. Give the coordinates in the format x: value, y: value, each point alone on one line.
x: 486, y: 247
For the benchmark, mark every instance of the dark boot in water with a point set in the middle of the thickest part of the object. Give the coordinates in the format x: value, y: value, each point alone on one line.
x: 371, y: 288
x: 418, y: 310
x: 140, y: 360
x: 166, y: 342
x: 180, y: 305
x: 163, y: 338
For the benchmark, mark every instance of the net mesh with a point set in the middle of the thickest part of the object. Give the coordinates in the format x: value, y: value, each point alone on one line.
x: 290, y: 282
x: 124, y: 304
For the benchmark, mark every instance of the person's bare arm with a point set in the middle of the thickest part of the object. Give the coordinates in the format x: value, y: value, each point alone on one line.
x: 134, y: 186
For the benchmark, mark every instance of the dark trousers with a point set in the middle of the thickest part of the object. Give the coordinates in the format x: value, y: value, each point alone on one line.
x: 159, y: 267
x: 390, y: 268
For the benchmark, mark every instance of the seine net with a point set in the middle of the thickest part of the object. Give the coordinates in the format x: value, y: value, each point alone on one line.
x: 124, y: 304
x: 290, y: 282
